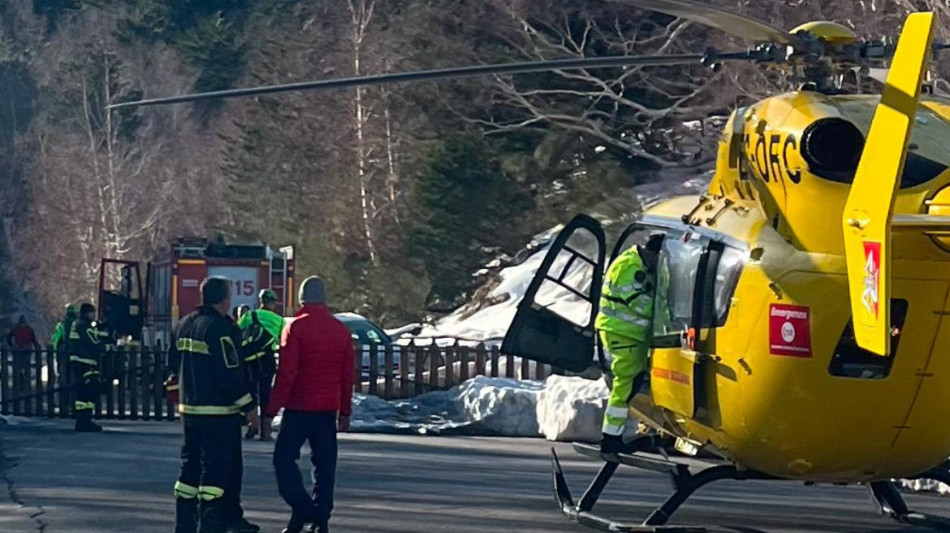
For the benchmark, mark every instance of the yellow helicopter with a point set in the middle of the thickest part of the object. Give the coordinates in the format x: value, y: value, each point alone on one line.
x: 805, y: 301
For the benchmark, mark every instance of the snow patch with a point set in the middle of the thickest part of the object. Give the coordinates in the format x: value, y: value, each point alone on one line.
x: 499, y: 406
x: 572, y: 409
x: 925, y: 485
x: 561, y: 409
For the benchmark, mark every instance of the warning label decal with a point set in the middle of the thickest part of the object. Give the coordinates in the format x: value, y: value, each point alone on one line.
x: 790, y: 330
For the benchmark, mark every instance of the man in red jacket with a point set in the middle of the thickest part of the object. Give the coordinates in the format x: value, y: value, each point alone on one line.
x: 314, y: 385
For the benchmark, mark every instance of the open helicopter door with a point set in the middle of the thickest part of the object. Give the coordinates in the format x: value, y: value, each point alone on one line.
x: 555, y: 320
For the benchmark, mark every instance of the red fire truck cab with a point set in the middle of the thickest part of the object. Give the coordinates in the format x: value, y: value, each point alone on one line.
x: 173, y: 280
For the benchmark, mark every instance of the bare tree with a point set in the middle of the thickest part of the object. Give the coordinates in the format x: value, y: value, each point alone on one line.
x: 361, y: 13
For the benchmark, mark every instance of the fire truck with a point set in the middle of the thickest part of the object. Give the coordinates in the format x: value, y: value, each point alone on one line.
x: 149, y: 313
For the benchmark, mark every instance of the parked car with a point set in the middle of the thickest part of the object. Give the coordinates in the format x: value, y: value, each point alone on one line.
x: 367, y: 333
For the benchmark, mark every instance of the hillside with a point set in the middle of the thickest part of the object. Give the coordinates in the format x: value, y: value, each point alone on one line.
x: 393, y: 194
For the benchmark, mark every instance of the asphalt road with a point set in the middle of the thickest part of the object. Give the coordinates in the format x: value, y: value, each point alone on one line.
x: 121, y: 481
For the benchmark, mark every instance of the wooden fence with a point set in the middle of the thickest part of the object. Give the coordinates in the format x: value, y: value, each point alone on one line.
x: 38, y: 383
x: 394, y: 371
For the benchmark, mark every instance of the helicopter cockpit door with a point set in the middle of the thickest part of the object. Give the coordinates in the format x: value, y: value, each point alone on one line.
x: 677, y: 315
x: 555, y: 320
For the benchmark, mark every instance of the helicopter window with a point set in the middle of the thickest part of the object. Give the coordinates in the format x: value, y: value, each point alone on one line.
x: 567, y: 287
x: 676, y: 275
x: 850, y: 361
x: 727, y: 277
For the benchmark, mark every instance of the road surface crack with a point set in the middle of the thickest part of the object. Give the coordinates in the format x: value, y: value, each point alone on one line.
x: 6, y: 465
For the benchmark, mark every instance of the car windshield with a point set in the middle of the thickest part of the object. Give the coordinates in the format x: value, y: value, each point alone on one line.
x: 365, y: 332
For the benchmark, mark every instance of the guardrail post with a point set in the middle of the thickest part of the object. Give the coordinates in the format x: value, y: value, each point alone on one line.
x: 463, y: 364
x: 135, y: 362
x: 158, y: 382
x: 495, y: 357
x: 145, y: 380
x: 4, y: 377
x: 171, y: 407
x: 358, y: 366
x: 373, y: 370
x: 108, y: 378
x: 450, y: 366
x: 418, y: 385
x: 22, y: 361
x: 66, y: 384
x: 405, y: 355
x: 38, y: 380
x: 480, y: 357
x: 121, y: 364
x: 51, y: 382
x: 389, y: 369
x: 434, y: 356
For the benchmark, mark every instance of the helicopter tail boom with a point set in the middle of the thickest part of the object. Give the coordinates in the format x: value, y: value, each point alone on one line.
x: 868, y: 214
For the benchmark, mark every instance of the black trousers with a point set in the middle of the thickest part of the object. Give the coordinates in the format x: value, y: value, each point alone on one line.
x: 87, y: 385
x: 212, y: 469
x: 260, y: 373
x: 319, y: 430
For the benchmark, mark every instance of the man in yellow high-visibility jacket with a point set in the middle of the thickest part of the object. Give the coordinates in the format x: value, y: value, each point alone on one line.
x: 625, y: 323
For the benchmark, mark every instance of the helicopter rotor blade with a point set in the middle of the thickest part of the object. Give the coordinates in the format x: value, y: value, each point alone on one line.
x: 452, y: 73
x: 737, y: 25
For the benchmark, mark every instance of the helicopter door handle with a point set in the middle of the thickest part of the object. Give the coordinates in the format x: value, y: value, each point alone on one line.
x: 696, y: 357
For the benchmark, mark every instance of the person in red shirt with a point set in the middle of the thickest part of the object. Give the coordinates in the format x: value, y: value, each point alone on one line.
x: 314, y: 386
x: 22, y: 340
x: 22, y: 337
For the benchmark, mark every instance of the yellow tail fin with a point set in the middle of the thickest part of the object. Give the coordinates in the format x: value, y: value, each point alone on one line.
x: 868, y: 213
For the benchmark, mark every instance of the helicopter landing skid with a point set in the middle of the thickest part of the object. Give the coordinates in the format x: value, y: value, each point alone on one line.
x: 892, y: 503
x: 685, y: 484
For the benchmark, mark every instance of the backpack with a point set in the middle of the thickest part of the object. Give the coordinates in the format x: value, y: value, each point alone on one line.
x: 256, y: 341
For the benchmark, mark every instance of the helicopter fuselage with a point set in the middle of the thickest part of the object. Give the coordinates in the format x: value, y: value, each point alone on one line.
x: 780, y: 386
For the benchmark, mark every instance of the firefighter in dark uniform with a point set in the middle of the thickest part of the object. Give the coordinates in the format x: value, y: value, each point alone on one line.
x: 213, y: 394
x: 87, y: 341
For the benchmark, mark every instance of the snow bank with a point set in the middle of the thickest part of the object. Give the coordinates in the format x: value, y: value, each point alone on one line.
x: 925, y: 485
x: 562, y: 409
x: 499, y: 406
x: 572, y: 409
x: 480, y: 406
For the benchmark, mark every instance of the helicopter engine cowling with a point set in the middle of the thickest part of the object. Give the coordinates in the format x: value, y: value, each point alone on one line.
x: 797, y: 153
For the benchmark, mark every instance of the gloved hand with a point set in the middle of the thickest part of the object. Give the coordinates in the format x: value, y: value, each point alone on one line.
x: 612, y: 444
x: 171, y: 389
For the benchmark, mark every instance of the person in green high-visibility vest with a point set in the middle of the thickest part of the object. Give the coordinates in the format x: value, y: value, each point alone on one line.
x: 625, y: 324
x: 261, y: 330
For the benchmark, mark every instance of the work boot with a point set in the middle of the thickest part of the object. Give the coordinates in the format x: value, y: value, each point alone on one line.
x: 241, y: 525
x: 265, y: 429
x: 250, y: 433
x: 186, y: 515
x: 297, y: 522
x: 84, y: 423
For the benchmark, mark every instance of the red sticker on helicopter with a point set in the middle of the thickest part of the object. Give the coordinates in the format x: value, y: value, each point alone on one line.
x: 872, y: 277
x: 790, y: 330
